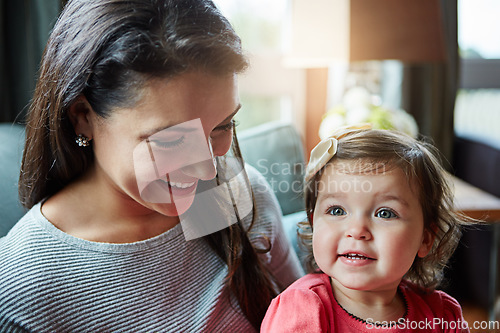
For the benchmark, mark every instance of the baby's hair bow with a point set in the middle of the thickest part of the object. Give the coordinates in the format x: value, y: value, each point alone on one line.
x: 327, y: 148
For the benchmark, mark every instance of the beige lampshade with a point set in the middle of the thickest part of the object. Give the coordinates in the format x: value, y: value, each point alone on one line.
x: 324, y: 31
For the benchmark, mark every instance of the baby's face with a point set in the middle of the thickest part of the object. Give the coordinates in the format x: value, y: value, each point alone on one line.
x: 368, y: 226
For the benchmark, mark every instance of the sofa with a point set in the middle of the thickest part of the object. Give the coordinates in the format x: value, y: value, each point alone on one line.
x: 11, y: 146
x: 275, y: 149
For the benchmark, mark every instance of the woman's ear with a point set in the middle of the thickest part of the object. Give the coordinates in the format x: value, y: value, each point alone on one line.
x: 79, y: 114
x: 427, y: 242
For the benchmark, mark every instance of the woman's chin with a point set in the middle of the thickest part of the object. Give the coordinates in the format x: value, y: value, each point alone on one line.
x: 180, y: 206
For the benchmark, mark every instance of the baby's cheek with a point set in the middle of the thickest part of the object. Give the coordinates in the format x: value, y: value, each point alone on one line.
x: 324, y: 247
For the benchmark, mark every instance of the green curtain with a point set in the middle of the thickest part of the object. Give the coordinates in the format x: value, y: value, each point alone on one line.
x: 429, y: 90
x: 24, y: 28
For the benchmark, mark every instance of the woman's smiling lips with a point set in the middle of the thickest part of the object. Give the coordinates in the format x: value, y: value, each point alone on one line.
x: 179, y: 189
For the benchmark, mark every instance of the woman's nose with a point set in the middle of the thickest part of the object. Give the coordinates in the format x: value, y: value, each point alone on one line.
x: 204, y: 170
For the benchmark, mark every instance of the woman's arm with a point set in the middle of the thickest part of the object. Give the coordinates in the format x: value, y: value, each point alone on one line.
x: 281, y: 259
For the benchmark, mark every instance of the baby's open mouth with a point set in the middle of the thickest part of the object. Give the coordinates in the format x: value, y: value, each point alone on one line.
x: 355, y: 256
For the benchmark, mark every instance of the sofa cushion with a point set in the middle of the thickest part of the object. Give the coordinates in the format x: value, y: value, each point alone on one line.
x: 11, y: 146
x: 275, y: 150
x: 291, y: 227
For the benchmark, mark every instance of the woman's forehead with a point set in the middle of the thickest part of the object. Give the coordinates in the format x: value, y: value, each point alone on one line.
x: 172, y: 102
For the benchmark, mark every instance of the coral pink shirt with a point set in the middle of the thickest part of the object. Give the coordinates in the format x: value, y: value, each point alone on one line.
x: 308, y: 306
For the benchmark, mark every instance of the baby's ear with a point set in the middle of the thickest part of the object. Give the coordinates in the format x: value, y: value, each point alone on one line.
x: 427, y: 241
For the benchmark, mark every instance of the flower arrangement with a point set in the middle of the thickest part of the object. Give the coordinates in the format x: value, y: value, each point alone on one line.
x: 358, y: 107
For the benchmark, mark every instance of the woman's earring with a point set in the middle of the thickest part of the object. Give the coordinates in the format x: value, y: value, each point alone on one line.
x: 82, y: 140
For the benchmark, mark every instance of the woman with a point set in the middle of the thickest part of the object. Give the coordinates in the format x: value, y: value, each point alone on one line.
x: 132, y: 113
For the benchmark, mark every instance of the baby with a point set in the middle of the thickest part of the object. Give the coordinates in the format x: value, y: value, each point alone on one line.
x: 380, y: 230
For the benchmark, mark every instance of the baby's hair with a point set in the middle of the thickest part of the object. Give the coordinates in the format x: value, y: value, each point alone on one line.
x: 421, y: 163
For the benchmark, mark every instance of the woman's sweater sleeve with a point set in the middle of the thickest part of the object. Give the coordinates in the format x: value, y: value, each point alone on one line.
x: 268, y: 230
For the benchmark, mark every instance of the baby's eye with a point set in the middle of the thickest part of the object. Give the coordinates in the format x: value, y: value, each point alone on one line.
x: 386, y: 214
x: 336, y: 211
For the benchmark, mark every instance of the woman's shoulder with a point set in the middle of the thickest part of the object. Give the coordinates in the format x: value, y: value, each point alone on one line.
x: 20, y: 253
x: 266, y: 205
x: 24, y: 243
x: 257, y: 180
x: 27, y: 228
x: 263, y: 193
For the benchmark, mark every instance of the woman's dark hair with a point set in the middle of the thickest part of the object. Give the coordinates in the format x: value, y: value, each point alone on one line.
x: 106, y: 50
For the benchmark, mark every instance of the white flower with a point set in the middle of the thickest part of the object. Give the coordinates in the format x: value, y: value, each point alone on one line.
x: 359, y: 107
x: 330, y: 123
x: 357, y: 115
x: 405, y: 123
x: 356, y: 97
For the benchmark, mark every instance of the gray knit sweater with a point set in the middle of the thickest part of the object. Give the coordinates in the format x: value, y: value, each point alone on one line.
x: 53, y: 282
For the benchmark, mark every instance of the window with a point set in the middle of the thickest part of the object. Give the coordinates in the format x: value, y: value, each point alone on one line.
x: 477, y: 110
x: 479, y: 29
x: 268, y: 90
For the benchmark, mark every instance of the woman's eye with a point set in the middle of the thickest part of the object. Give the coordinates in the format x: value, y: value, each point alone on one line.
x: 336, y: 211
x: 169, y: 144
x: 386, y: 214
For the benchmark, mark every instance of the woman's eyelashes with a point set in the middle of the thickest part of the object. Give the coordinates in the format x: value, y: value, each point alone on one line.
x: 169, y: 144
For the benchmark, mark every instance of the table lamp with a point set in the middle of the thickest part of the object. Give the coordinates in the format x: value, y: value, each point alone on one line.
x: 327, y: 31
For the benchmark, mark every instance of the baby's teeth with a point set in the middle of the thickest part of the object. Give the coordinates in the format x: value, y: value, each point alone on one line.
x: 355, y: 256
